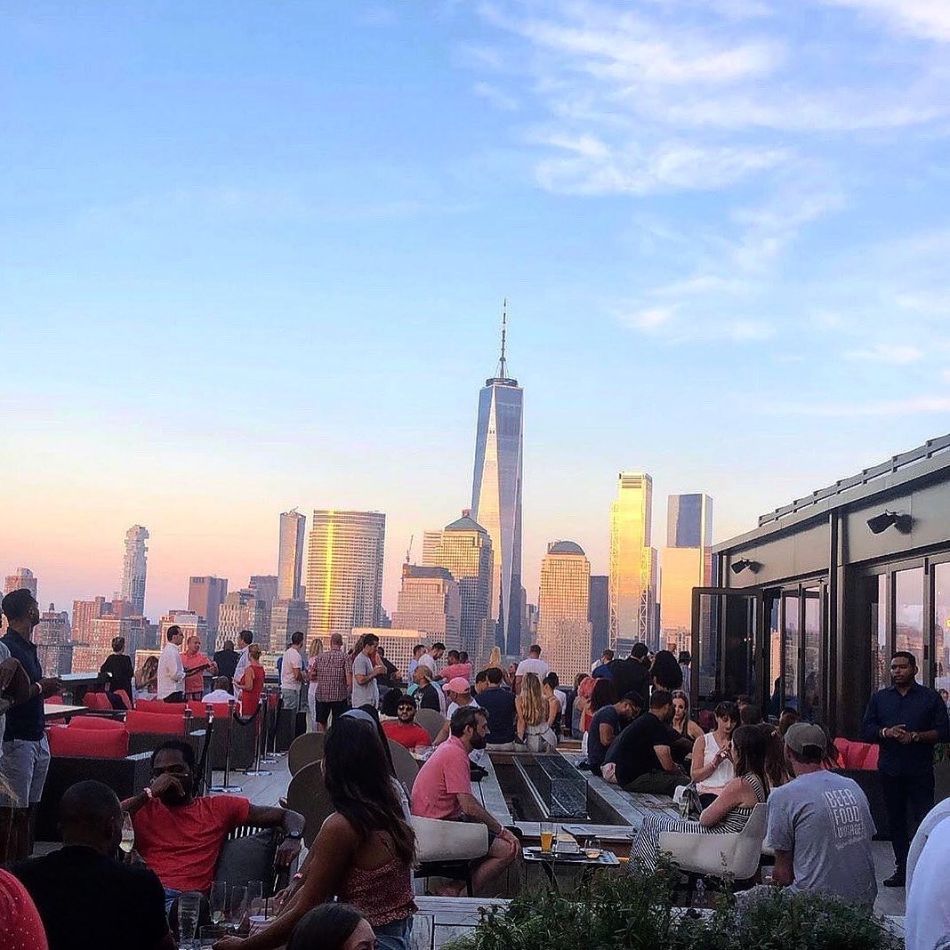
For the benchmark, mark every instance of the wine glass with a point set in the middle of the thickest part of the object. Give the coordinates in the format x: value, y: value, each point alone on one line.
x: 255, y: 898
x: 189, y: 906
x: 593, y: 849
x: 127, y: 841
x: 218, y: 899
x: 237, y: 906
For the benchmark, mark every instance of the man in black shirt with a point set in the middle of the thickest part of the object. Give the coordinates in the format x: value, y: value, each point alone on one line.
x: 499, y: 706
x: 906, y: 719
x: 86, y: 898
x: 607, y: 724
x: 226, y: 659
x: 632, y: 675
x: 639, y: 758
x: 426, y: 695
x: 390, y: 679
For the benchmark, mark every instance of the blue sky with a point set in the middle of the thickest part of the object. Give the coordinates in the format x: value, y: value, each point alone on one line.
x: 252, y: 255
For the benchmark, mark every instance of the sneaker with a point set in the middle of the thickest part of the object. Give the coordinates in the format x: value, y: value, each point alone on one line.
x: 895, y: 880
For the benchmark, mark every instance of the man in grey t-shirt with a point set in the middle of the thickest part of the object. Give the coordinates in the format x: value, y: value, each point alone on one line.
x: 820, y: 825
x: 366, y: 668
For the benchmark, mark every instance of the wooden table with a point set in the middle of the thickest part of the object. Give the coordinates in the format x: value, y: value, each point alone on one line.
x: 56, y: 711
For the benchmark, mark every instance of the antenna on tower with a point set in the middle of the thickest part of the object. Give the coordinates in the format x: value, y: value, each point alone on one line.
x: 503, y: 363
x: 409, y: 549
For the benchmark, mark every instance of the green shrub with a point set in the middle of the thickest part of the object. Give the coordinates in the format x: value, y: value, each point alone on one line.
x: 636, y: 912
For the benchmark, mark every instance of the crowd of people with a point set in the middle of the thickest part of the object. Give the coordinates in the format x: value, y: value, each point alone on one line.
x: 632, y: 714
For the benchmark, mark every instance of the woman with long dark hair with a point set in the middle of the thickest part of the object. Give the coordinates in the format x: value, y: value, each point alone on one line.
x: 730, y: 810
x: 332, y: 927
x: 665, y: 672
x: 363, y: 853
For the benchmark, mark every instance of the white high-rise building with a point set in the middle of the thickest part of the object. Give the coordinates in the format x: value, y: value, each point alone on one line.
x: 345, y: 571
x: 633, y: 564
x: 134, y: 567
x: 564, y: 630
x: 429, y: 601
x: 21, y: 578
x: 290, y: 554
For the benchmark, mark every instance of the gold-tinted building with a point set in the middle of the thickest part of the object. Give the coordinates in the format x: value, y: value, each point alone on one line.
x: 564, y: 630
x: 633, y: 564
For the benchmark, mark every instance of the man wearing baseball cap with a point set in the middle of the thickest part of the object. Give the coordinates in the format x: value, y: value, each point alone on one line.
x: 820, y: 825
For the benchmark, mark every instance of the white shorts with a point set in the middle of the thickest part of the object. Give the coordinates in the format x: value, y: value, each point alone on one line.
x: 24, y: 765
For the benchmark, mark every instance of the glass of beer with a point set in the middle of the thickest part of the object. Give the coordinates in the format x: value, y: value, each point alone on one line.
x: 547, y: 837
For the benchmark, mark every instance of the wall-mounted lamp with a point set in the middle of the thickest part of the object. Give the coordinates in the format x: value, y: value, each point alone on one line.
x: 744, y: 563
x: 883, y: 521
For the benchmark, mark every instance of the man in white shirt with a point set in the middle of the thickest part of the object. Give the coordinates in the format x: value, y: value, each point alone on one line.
x: 171, y: 671
x: 245, y: 639
x: 417, y: 652
x: 291, y: 673
x: 431, y: 658
x: 366, y: 669
x: 927, y: 924
x: 533, y: 664
x: 220, y: 692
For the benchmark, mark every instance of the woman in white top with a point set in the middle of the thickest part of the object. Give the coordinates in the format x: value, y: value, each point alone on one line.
x: 712, y: 766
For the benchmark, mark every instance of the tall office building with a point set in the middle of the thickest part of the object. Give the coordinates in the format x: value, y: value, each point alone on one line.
x: 265, y: 586
x: 564, y: 632
x: 633, y: 564
x: 345, y: 571
x: 286, y: 617
x: 599, y: 615
x: 293, y: 528
x: 687, y: 563
x: 429, y: 601
x: 94, y: 625
x: 464, y: 549
x: 134, y: 567
x: 54, y: 648
x: 205, y: 597
x: 496, y: 494
x: 689, y: 521
x: 396, y: 643
x: 242, y: 610
x: 21, y: 578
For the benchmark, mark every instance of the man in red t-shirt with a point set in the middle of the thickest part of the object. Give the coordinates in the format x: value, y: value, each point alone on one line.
x: 180, y: 836
x: 404, y: 729
x: 443, y: 790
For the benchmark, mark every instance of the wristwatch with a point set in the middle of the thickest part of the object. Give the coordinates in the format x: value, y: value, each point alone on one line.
x: 294, y: 835
x: 916, y: 737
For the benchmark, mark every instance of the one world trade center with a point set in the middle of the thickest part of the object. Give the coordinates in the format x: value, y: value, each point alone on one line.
x: 496, y: 494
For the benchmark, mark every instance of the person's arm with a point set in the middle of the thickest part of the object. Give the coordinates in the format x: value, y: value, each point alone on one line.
x: 336, y: 845
x: 292, y: 822
x: 699, y: 772
x: 731, y: 796
x: 363, y: 678
x: 518, y: 680
x: 471, y: 809
x: 665, y: 758
x: 872, y: 729
x: 554, y: 708
x: 784, y: 873
x: 520, y: 726
x: 606, y: 734
x: 939, y: 730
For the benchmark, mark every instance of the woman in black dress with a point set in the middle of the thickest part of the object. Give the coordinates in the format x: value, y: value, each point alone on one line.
x: 118, y: 667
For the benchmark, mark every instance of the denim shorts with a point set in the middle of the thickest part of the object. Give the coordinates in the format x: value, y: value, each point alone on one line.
x: 24, y: 765
x: 394, y: 936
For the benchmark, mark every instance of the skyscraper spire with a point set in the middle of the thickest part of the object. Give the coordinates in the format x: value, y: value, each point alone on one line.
x: 503, y: 363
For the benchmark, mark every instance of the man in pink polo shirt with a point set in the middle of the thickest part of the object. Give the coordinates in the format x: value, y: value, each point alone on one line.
x: 443, y: 790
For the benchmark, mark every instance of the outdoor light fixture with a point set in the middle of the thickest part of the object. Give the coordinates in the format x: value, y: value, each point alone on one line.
x: 739, y: 566
x: 883, y: 521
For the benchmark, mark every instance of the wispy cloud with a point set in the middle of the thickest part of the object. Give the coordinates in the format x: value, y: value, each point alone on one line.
x: 928, y: 19
x: 917, y: 405
x: 899, y: 354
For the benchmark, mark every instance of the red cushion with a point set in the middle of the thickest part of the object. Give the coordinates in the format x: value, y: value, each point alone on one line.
x: 160, y: 706
x: 124, y: 696
x: 96, y: 700
x: 221, y: 710
x: 87, y: 743
x: 197, y: 709
x: 96, y: 722
x: 136, y: 722
x: 844, y: 751
x: 56, y: 700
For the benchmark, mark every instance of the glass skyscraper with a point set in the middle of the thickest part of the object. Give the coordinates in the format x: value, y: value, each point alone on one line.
x: 564, y: 630
x: 134, y: 567
x: 293, y: 526
x: 496, y: 495
x: 689, y: 521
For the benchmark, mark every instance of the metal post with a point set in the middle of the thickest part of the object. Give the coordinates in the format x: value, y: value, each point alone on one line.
x: 256, y: 769
x: 270, y: 728
x: 225, y: 787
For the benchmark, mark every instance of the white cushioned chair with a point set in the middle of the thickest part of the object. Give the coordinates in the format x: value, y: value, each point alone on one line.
x: 448, y: 848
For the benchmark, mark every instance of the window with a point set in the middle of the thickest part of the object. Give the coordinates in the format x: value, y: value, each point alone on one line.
x: 877, y: 627
x: 792, y: 649
x: 941, y: 657
x: 773, y: 607
x: 909, y: 613
x: 811, y: 691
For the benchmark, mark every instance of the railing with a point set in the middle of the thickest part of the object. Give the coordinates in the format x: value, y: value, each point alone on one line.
x: 927, y: 451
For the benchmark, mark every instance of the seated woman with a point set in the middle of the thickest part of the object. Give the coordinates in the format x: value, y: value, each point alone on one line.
x: 533, y: 715
x: 729, y: 811
x: 712, y: 766
x: 363, y: 853
x: 687, y: 731
x: 333, y: 927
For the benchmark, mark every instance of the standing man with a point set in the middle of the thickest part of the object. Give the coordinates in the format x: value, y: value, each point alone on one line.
x: 226, y: 659
x: 430, y: 660
x: 907, y: 719
x: 632, y: 675
x: 499, y: 705
x: 245, y: 639
x: 292, y: 679
x: 25, y: 759
x: 366, y: 670
x: 334, y: 681
x: 417, y: 652
x: 389, y: 680
x: 532, y: 664
x: 171, y: 669
x: 195, y: 663
x: 599, y: 669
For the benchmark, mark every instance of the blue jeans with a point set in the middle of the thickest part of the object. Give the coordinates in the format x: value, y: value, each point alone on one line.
x: 395, y: 936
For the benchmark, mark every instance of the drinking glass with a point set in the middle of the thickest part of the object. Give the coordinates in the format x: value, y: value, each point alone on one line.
x: 254, y: 902
x: 237, y: 906
x: 189, y: 906
x: 547, y: 836
x: 209, y: 936
x: 219, y: 902
x: 593, y: 849
x: 768, y: 873
x: 127, y: 842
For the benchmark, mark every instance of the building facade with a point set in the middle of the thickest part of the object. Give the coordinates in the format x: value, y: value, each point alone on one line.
x: 290, y: 554
x: 205, y: 597
x: 464, y: 549
x: 242, y: 610
x: 429, y: 601
x: 599, y: 615
x: 564, y: 630
x: 396, y: 643
x: 135, y: 568
x: 633, y: 564
x: 496, y: 495
x: 689, y: 521
x: 286, y: 617
x: 345, y: 571
x: 53, y: 640
x: 192, y: 625
x: 21, y: 578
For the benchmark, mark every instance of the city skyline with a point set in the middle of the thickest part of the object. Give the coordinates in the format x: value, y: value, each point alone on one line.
x: 307, y: 234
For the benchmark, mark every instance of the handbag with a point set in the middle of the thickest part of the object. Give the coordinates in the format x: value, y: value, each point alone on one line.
x: 687, y: 798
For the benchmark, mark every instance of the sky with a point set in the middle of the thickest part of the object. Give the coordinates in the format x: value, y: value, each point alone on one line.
x: 253, y: 256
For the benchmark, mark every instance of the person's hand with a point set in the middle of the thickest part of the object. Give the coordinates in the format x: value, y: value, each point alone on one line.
x: 229, y: 943
x: 508, y: 836
x: 902, y: 735
x: 49, y: 686
x: 166, y: 783
x: 289, y: 849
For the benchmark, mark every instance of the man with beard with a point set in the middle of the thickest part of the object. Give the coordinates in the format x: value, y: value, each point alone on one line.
x: 180, y: 836
x: 443, y: 790
x: 404, y: 729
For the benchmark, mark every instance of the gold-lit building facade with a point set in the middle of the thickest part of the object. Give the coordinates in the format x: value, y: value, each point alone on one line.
x: 564, y: 630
